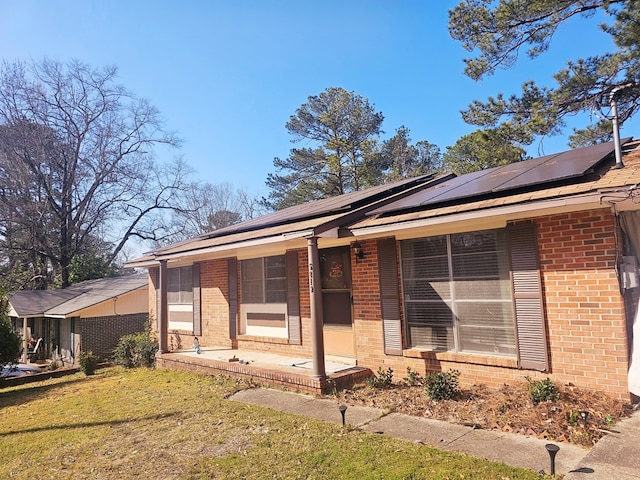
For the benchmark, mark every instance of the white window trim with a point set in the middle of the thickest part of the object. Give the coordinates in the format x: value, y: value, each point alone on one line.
x: 260, y: 331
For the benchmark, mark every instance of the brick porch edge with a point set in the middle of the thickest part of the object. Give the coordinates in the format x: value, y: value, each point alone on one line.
x: 272, y: 377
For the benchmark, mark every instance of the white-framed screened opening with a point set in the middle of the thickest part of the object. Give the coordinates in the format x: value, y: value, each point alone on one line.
x: 458, y: 293
x: 264, y: 296
x: 180, y: 298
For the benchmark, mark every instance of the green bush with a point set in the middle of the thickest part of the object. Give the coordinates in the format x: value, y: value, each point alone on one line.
x: 442, y: 385
x: 88, y: 362
x: 384, y: 379
x: 9, y: 340
x: 542, y: 390
x: 136, y: 350
x: 413, y: 378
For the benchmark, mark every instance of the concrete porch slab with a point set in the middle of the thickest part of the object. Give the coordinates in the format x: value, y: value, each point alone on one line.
x: 292, y: 373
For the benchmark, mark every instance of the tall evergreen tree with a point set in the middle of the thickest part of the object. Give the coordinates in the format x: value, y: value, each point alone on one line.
x: 338, y: 128
x: 497, y: 32
x: 402, y: 159
x: 480, y: 150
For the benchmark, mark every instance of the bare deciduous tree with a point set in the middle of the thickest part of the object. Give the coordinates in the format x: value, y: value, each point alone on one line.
x: 77, y: 161
x: 205, y: 207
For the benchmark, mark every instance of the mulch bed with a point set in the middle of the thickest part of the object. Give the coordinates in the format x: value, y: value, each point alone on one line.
x: 509, y: 409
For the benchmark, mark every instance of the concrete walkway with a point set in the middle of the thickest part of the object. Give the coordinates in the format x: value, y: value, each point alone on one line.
x: 616, y: 456
x: 509, y: 448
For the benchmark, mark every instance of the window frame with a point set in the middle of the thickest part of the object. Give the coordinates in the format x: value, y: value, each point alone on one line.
x: 451, y: 283
x: 266, y: 294
x: 183, y: 295
x: 264, y: 302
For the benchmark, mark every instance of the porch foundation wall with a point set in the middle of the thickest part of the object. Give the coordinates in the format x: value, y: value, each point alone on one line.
x: 263, y: 376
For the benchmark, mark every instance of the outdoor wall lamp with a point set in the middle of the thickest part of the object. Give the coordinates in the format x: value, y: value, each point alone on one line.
x: 357, y: 251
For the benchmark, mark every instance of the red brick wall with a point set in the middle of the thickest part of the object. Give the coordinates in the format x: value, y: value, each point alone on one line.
x: 583, y: 307
x: 214, y: 298
x: 367, y: 311
x: 100, y: 335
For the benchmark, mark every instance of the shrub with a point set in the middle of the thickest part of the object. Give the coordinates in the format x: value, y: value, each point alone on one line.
x: 384, y: 379
x: 442, y: 385
x: 136, y: 350
x: 88, y: 362
x: 413, y: 378
x: 9, y: 340
x: 542, y: 390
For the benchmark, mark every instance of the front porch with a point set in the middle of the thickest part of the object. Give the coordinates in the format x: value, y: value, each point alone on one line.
x: 291, y: 373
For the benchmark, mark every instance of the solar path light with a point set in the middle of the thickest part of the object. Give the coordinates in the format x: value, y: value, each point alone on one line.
x: 343, y: 411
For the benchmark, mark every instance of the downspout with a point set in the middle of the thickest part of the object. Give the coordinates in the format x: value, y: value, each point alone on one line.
x: 616, y: 127
x: 315, y: 300
x: 163, y: 316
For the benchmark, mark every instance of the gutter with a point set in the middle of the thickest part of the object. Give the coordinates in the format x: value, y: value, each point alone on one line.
x: 489, y: 218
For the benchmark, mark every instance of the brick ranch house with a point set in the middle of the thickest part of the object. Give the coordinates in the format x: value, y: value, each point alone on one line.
x: 87, y: 316
x: 525, y: 269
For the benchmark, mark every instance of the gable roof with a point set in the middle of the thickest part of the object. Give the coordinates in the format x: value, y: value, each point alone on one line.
x: 568, y: 178
x: 64, y: 302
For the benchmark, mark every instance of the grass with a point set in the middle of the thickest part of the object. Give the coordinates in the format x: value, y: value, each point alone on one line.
x: 126, y: 424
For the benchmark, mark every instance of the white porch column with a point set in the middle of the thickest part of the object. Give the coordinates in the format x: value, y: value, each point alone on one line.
x: 25, y: 341
x: 315, y: 297
x: 163, y: 313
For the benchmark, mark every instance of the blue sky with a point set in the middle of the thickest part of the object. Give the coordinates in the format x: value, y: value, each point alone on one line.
x: 227, y: 75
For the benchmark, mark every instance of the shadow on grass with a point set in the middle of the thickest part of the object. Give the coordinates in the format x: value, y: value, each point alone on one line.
x: 89, y: 424
x: 28, y: 392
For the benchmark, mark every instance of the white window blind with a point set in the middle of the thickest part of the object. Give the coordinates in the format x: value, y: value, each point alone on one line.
x: 457, y: 293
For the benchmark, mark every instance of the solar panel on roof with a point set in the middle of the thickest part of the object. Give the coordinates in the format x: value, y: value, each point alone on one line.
x: 553, y: 168
x: 427, y: 195
x: 332, y: 205
x: 547, y: 169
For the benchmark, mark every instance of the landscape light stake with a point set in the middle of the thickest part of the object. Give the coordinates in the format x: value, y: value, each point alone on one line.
x: 552, y: 449
x: 584, y: 415
x: 343, y: 411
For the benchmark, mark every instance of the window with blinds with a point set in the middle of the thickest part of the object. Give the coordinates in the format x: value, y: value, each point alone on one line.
x: 180, y: 286
x: 264, y: 280
x: 457, y: 293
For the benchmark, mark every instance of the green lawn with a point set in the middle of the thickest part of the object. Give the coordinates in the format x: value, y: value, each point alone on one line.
x: 159, y: 424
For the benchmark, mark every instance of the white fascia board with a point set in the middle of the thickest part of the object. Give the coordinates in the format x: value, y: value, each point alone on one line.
x: 238, y: 245
x: 145, y: 264
x: 59, y: 316
x: 331, y: 233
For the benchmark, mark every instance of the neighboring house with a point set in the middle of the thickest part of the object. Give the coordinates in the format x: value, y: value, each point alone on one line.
x: 87, y: 316
x: 525, y: 269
